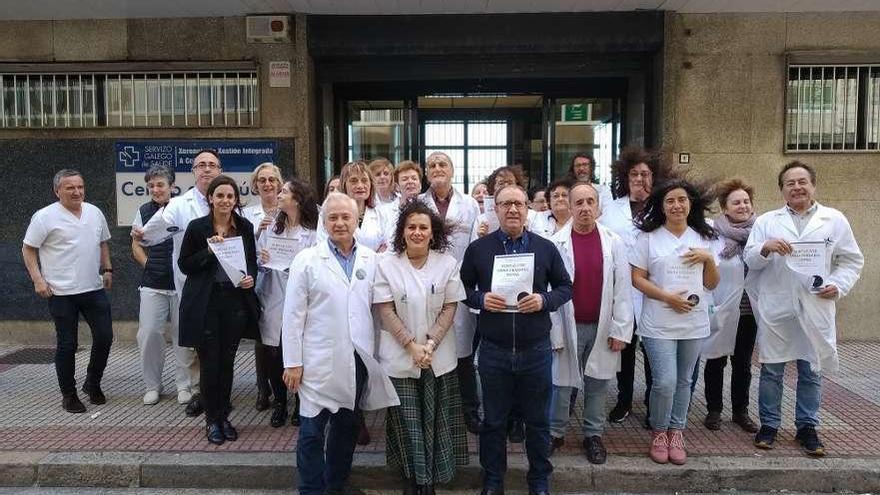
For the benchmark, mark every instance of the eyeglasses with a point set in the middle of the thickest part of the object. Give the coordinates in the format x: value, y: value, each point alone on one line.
x: 636, y: 175
x: 205, y: 166
x: 506, y: 205
x: 263, y: 180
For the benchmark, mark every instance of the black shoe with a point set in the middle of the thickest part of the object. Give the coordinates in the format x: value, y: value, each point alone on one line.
x: 72, y: 404
x: 262, y: 402
x: 96, y: 396
x: 619, y: 413
x: 492, y: 491
x: 595, y: 450
x: 364, y: 434
x: 194, y: 408
x: 809, y: 440
x: 214, y: 433
x: 765, y: 438
x: 427, y: 490
x: 745, y: 422
x: 229, y: 431
x: 556, y: 443
x: 515, y: 432
x: 712, y: 421
x: 279, y: 416
x: 294, y: 419
x: 473, y: 423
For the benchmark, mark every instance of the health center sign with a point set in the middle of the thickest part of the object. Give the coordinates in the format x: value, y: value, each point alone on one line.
x: 134, y: 158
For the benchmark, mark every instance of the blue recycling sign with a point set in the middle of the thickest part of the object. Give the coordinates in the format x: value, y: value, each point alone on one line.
x: 235, y: 155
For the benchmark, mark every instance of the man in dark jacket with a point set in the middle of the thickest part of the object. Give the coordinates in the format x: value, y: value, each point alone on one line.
x: 515, y: 353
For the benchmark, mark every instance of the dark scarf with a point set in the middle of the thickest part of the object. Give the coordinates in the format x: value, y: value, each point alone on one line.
x: 735, y: 235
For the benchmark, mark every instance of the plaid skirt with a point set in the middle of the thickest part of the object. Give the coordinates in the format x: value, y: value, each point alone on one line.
x: 425, y: 434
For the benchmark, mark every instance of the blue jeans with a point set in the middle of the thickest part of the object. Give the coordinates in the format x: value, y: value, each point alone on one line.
x: 672, y: 366
x: 809, y: 395
x: 65, y: 310
x: 594, y: 392
x: 315, y: 474
x: 523, y: 378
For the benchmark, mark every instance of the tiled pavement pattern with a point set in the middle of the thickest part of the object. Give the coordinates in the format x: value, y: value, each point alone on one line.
x: 31, y: 417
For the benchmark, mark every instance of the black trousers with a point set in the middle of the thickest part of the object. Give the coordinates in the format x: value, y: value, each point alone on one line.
x: 275, y: 371
x: 262, y: 365
x: 226, y: 317
x: 626, y: 375
x: 65, y: 310
x: 740, y: 373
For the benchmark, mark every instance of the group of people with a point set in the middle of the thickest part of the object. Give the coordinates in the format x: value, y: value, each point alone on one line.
x: 395, y: 300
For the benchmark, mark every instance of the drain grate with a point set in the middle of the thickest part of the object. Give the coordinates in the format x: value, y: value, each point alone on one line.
x: 30, y: 355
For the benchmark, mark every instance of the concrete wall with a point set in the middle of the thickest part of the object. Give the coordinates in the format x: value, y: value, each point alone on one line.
x: 29, y: 158
x: 724, y: 104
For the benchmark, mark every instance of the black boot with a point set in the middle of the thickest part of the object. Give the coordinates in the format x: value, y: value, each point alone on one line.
x: 294, y: 418
x: 279, y: 415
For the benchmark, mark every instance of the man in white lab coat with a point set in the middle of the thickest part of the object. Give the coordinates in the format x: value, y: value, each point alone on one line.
x: 327, y: 337
x: 591, y: 330
x: 180, y: 211
x: 460, y: 211
x: 796, y: 310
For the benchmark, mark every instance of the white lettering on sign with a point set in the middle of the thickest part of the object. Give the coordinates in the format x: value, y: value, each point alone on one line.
x: 279, y: 74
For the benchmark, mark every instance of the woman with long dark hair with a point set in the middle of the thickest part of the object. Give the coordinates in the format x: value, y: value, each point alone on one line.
x: 294, y: 226
x: 416, y: 293
x: 673, y: 264
x: 216, y: 311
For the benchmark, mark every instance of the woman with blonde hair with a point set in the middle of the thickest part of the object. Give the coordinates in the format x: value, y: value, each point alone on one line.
x: 357, y: 182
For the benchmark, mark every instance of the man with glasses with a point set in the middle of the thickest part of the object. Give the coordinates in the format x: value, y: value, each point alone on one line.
x: 515, y: 353
x: 179, y: 212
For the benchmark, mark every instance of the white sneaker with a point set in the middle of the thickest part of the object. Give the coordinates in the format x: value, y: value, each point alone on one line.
x: 151, y: 398
x: 184, y: 396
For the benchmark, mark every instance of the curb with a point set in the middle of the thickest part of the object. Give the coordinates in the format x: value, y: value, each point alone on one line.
x: 572, y: 473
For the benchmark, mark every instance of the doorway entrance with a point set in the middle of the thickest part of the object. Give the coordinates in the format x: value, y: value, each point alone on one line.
x: 482, y: 131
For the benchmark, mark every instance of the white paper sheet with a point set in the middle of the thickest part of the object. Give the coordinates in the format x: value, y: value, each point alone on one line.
x: 512, y: 276
x: 807, y: 259
x: 491, y: 214
x: 230, y: 254
x: 157, y: 230
x: 281, y: 250
x: 679, y: 277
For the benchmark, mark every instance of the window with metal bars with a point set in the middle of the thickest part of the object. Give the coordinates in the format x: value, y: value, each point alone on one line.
x: 833, y: 108
x: 149, y: 99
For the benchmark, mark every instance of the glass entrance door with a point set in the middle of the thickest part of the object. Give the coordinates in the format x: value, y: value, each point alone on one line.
x: 576, y: 125
x: 378, y: 129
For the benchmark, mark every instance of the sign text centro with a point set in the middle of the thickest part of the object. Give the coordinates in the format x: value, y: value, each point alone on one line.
x: 133, y: 158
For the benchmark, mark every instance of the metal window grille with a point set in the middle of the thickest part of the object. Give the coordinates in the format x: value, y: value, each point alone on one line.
x: 476, y: 147
x: 832, y: 108
x: 142, y: 99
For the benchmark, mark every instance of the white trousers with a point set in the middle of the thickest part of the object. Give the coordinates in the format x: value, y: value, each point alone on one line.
x: 156, y: 310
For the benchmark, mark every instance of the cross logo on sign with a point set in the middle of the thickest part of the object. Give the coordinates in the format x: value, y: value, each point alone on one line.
x: 129, y: 156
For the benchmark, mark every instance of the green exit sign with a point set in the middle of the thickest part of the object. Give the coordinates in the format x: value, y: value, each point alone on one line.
x: 575, y: 112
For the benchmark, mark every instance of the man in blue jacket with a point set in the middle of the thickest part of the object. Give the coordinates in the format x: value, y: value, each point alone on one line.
x: 515, y: 353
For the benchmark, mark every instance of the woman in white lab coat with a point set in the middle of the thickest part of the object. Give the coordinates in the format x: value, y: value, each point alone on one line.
x: 356, y: 181
x: 547, y: 223
x: 672, y: 265
x: 386, y: 187
x: 732, y: 323
x: 501, y: 177
x: 266, y: 180
x: 416, y: 291
x: 296, y: 221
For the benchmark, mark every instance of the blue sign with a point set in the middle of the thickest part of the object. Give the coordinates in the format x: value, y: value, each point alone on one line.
x: 235, y: 155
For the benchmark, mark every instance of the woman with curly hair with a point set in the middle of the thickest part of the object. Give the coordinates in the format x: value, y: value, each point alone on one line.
x: 673, y: 264
x: 416, y: 292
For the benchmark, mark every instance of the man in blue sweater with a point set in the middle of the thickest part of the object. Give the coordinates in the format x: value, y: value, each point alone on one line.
x: 515, y: 353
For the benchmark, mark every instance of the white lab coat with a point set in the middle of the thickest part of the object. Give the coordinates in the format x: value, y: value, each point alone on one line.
x: 615, y: 313
x: 793, y: 323
x: 328, y: 318
x: 271, y: 285
x: 484, y: 217
x: 418, y: 296
x: 724, y: 310
x: 181, y: 210
x: 618, y: 217
x: 254, y: 214
x: 370, y: 233
x: 544, y: 224
x: 461, y: 215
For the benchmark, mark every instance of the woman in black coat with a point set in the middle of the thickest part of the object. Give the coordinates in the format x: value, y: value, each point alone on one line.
x: 216, y: 312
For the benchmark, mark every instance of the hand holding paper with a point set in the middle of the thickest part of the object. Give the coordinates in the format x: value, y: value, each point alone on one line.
x: 230, y: 255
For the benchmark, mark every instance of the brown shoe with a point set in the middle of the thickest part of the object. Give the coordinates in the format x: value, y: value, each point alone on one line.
x: 745, y: 422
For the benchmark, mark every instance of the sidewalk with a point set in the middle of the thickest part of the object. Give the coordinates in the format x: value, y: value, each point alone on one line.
x: 33, y: 426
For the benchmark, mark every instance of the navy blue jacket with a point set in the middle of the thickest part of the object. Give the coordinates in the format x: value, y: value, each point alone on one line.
x: 515, y: 331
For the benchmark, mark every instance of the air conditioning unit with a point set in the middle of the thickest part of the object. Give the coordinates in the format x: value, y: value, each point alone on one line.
x: 268, y: 29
